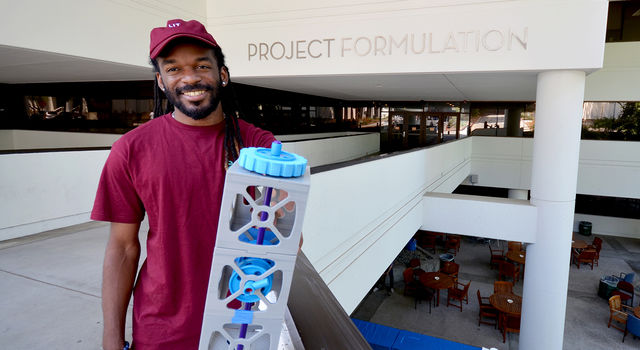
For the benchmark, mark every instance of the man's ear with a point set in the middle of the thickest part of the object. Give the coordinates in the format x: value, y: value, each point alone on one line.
x: 224, y: 76
x: 160, y: 82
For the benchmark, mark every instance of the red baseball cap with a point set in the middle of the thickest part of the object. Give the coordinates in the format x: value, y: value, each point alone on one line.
x: 177, y: 28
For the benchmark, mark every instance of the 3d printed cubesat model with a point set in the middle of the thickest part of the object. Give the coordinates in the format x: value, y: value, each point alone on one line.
x: 260, y: 225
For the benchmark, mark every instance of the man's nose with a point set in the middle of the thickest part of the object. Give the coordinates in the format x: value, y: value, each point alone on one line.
x: 191, y: 77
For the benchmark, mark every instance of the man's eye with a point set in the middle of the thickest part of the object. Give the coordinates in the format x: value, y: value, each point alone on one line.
x: 172, y: 70
x: 203, y: 67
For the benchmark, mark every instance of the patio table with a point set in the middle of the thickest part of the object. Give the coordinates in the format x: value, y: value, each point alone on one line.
x: 436, y: 281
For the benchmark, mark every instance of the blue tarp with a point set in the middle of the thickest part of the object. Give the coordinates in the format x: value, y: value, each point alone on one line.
x: 388, y: 338
x: 378, y: 336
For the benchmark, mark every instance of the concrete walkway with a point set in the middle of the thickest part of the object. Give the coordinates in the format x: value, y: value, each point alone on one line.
x: 50, y: 289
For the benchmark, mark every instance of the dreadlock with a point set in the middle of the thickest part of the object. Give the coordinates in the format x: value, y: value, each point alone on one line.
x: 232, y: 138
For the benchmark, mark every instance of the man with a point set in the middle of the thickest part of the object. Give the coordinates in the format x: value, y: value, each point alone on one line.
x: 172, y: 168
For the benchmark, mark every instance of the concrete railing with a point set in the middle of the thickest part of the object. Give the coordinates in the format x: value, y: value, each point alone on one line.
x: 46, y: 190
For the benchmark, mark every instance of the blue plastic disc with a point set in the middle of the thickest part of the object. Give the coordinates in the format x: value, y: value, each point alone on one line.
x: 272, y: 161
x: 269, y: 237
x: 251, y: 266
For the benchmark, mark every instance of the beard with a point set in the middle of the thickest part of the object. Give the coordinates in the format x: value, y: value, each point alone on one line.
x: 199, y: 110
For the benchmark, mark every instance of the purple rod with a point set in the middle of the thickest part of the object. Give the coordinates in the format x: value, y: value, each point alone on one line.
x: 243, y: 328
x: 260, y: 239
x: 275, y: 150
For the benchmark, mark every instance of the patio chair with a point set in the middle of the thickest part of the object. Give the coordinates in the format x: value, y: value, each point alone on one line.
x: 487, y: 310
x: 507, y: 269
x: 450, y: 268
x: 428, y: 241
x: 502, y: 287
x: 452, y: 244
x: 597, y: 246
x: 497, y: 255
x: 514, y: 246
x: 459, y: 292
x: 633, y: 327
x: 410, y: 283
x: 423, y: 293
x: 625, y: 291
x: 618, y: 312
x: 510, y: 324
x: 415, y: 262
x: 586, y: 256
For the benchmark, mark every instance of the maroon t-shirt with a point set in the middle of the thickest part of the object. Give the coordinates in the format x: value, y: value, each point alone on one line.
x: 175, y: 173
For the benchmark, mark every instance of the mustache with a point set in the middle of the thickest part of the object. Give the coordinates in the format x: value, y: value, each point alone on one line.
x: 195, y: 87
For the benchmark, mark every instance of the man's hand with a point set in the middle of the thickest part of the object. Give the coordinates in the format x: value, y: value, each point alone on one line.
x: 118, y: 275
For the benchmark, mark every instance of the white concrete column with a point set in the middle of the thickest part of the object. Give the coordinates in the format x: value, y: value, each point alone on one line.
x: 518, y: 194
x: 556, y: 148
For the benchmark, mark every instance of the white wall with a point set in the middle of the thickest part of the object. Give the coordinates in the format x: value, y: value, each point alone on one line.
x: 618, y: 79
x: 34, y: 139
x: 608, y: 168
x: 336, y: 146
x: 496, y: 218
x: 502, y: 161
x: 360, y: 217
x: 334, y: 149
x: 108, y: 30
x: 48, y: 190
x: 44, y: 191
x: 609, y: 226
x: 354, y: 28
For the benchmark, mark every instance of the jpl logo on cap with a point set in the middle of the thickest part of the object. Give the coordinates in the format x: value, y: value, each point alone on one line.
x: 173, y: 25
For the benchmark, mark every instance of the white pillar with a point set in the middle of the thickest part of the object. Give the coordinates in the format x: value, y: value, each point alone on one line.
x: 556, y: 148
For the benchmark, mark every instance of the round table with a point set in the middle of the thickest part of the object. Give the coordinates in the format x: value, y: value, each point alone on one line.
x: 436, y: 281
x: 516, y: 256
x: 501, y: 302
x: 578, y: 244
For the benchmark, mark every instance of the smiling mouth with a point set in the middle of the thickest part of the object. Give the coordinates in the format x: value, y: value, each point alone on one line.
x: 194, y: 93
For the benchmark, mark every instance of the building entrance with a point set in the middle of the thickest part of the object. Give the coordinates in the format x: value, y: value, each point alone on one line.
x: 410, y: 129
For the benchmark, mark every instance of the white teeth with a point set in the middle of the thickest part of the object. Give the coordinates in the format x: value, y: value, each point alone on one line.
x: 194, y: 93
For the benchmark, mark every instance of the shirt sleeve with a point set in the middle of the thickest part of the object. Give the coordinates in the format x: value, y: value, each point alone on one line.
x: 253, y: 136
x: 117, y: 199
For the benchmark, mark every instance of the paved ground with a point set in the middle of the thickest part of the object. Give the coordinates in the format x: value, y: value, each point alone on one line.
x: 586, y: 318
x: 50, y: 289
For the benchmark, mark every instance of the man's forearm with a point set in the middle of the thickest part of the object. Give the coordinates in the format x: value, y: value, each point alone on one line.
x: 119, y: 272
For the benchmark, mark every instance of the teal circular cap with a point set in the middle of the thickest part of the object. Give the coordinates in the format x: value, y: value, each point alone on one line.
x: 272, y: 161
